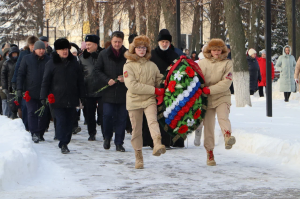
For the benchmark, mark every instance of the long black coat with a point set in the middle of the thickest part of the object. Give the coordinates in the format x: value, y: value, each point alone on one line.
x: 64, y: 79
x: 108, y: 67
x: 30, y: 74
x: 254, y: 72
x: 92, y: 82
x: 7, y: 73
x: 163, y: 59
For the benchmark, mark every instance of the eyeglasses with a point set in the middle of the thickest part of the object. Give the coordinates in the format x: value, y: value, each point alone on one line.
x: 141, y: 48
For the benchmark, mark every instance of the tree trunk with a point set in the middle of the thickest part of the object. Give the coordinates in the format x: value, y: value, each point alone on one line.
x: 254, y: 21
x: 108, y: 21
x: 153, y: 21
x: 132, y: 18
x: 93, y: 16
x: 288, y: 8
x: 240, y: 66
x: 196, y: 27
x: 143, y: 17
x: 215, y: 10
x: 169, y: 10
x: 40, y: 18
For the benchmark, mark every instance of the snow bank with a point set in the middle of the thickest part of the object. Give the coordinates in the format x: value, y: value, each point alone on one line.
x: 18, y: 159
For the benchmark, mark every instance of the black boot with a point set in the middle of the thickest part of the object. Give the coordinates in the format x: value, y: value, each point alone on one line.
x: 42, y: 139
x: 106, y: 144
x: 120, y: 148
x: 92, y: 138
x: 35, y: 138
x: 55, y: 138
x: 64, y: 149
x: 76, y: 130
x: 14, y: 116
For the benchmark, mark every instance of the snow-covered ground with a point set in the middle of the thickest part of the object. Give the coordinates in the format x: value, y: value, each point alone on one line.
x: 264, y: 163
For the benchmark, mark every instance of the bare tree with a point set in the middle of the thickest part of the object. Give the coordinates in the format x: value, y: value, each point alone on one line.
x: 142, y: 16
x: 131, y: 15
x: 254, y: 24
x: 169, y: 11
x: 108, y: 20
x: 153, y: 21
x: 196, y: 26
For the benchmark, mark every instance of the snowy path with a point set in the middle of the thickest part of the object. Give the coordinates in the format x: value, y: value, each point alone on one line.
x: 89, y: 171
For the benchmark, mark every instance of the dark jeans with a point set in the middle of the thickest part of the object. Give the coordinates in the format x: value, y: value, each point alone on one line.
x: 24, y: 114
x: 287, y: 96
x: 64, y: 124
x: 261, y: 91
x: 252, y: 92
x: 37, y: 125
x: 114, y: 117
x: 90, y: 113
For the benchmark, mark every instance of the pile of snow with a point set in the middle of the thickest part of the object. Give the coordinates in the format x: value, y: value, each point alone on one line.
x: 18, y: 159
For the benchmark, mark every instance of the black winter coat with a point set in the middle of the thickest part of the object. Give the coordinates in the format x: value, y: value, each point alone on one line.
x: 108, y: 67
x: 92, y: 82
x: 7, y: 73
x: 63, y: 78
x: 254, y: 73
x: 163, y: 59
x: 30, y: 74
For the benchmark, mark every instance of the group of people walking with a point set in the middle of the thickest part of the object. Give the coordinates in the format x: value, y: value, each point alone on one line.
x: 42, y: 85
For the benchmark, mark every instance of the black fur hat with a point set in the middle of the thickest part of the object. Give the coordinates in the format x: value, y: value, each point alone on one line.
x: 92, y: 38
x: 164, y: 34
x: 62, y: 43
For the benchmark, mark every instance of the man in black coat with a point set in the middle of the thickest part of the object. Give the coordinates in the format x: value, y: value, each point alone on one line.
x: 163, y: 56
x: 7, y: 73
x: 63, y: 78
x: 109, y: 67
x: 92, y: 82
x: 30, y: 77
x: 49, y: 50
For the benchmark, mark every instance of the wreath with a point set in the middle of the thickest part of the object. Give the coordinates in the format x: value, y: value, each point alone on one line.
x: 184, y: 105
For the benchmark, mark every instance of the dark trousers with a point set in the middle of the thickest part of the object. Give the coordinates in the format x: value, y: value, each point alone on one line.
x: 64, y: 124
x: 114, y: 117
x: 287, y: 96
x: 231, y: 89
x: 90, y: 113
x: 261, y: 91
x: 252, y: 92
x: 0, y: 106
x: 24, y: 114
x: 37, y: 125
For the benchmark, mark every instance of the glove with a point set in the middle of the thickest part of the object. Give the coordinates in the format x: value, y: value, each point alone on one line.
x: 160, y: 99
x: 5, y: 91
x: 206, y: 90
x: 159, y: 91
x: 43, y: 101
x: 296, y: 80
x: 13, y: 86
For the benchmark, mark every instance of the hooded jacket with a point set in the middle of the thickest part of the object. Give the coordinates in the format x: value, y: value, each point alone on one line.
x: 217, y: 73
x: 141, y: 76
x: 8, y: 70
x: 63, y: 78
x: 2, y: 95
x: 286, y: 64
x: 92, y: 82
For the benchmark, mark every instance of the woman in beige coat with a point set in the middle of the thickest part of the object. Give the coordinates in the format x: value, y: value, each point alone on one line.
x: 142, y: 77
x: 217, y: 71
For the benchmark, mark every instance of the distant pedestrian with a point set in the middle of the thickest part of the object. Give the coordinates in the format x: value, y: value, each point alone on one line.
x: 254, y: 71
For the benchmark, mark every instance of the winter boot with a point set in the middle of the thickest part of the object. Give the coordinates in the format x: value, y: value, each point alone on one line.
x: 158, y: 147
x: 139, y: 162
x: 64, y: 149
x: 42, y: 139
x: 76, y: 130
x: 198, y: 134
x: 120, y: 148
x: 14, y: 116
x: 229, y: 140
x: 35, y: 138
x: 210, y: 158
x: 106, y: 144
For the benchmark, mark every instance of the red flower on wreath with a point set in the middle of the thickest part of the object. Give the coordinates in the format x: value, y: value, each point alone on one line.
x: 190, y: 72
x: 173, y: 124
x: 16, y: 103
x: 27, y: 97
x: 185, y: 109
x: 190, y: 104
x: 183, y: 129
x: 199, y: 91
x: 177, y: 118
x: 181, y: 113
x: 171, y: 86
x: 193, y: 99
x: 51, y: 98
x: 197, y: 114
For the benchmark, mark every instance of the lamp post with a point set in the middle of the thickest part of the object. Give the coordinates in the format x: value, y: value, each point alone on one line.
x: 178, y: 31
x: 294, y: 28
x: 268, y: 58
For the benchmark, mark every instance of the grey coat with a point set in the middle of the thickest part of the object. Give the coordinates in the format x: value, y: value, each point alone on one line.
x: 286, y: 65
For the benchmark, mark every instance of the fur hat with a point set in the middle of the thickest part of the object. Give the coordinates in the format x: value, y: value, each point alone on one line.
x: 92, y: 38
x: 61, y: 43
x: 31, y: 40
x: 141, y: 40
x: 251, y: 51
x: 164, y: 34
x: 215, y: 44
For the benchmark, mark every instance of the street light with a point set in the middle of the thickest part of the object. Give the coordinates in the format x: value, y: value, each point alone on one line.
x: 294, y: 28
x: 268, y: 58
x: 178, y: 31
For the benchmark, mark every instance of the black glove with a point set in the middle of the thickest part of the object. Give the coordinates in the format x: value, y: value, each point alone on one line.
x: 5, y: 91
x: 43, y: 101
x: 13, y: 86
x: 19, y: 96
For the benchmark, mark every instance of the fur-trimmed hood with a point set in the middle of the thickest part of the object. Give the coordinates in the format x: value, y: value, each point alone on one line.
x: 141, y: 40
x: 94, y: 55
x: 56, y: 58
x: 215, y: 44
